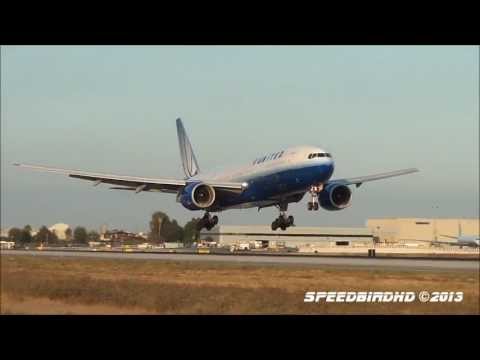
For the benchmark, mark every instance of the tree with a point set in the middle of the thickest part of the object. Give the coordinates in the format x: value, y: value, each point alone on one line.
x: 162, y: 229
x: 156, y: 223
x: 93, y: 235
x: 45, y: 236
x: 15, y: 234
x: 26, y: 236
x: 171, y: 231
x: 80, y: 235
x: 190, y: 232
x: 68, y: 234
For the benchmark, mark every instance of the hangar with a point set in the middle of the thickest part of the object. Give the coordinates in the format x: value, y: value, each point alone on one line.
x: 420, y: 230
x: 293, y: 237
x: 389, y: 232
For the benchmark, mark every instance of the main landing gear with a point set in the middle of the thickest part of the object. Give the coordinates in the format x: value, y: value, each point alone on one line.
x: 314, y: 191
x: 207, y: 222
x: 282, y: 221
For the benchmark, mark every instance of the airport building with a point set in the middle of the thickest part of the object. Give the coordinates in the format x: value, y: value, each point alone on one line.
x: 388, y: 232
x: 298, y: 237
x: 420, y: 231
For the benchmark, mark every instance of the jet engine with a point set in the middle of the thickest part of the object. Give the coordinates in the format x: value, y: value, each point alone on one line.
x: 197, y: 196
x: 335, y: 197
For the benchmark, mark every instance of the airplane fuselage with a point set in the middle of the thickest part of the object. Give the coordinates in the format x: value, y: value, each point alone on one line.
x: 282, y: 176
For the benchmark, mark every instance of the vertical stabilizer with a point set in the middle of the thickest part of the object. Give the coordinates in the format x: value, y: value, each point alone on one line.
x: 189, y: 162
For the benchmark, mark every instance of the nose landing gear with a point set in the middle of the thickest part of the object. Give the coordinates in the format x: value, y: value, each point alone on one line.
x: 314, y: 191
x: 207, y: 222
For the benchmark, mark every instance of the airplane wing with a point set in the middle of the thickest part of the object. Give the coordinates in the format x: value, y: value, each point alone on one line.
x: 133, y: 183
x: 360, y: 180
x: 450, y: 237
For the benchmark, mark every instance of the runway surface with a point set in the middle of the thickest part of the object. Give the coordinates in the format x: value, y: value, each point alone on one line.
x: 399, y: 264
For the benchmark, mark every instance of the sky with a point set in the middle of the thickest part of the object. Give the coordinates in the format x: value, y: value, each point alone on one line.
x: 113, y: 108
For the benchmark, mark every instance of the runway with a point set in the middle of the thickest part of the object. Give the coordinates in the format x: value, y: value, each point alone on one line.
x: 374, y: 263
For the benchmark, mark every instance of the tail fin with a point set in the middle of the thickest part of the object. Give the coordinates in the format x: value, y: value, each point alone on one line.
x: 189, y: 162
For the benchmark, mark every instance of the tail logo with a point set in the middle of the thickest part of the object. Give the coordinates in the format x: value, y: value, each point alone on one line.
x: 189, y: 161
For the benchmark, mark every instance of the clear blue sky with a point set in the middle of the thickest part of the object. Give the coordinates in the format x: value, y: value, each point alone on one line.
x: 113, y: 109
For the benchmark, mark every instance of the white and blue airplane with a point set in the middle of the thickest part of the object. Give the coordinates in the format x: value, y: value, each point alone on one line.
x: 461, y: 239
x: 274, y: 179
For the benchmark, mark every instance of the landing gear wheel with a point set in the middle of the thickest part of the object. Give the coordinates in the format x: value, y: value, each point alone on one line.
x: 310, y: 205
x: 207, y: 222
x: 283, y: 222
x: 290, y: 221
x: 315, y: 206
x: 275, y: 225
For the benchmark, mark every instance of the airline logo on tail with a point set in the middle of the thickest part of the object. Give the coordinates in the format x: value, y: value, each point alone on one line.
x: 189, y: 162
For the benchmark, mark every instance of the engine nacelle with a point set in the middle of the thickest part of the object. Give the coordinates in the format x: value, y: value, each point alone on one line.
x: 335, y: 197
x: 197, y: 196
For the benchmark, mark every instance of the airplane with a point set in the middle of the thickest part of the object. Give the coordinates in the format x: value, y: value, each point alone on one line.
x: 274, y: 179
x: 462, y: 240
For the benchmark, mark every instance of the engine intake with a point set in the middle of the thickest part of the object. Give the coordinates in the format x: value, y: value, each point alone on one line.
x: 197, y: 196
x: 335, y: 197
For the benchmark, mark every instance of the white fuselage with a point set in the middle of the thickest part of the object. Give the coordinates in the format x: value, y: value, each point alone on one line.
x: 292, y: 158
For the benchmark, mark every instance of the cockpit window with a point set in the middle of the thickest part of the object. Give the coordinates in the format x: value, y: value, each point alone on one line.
x: 312, y: 156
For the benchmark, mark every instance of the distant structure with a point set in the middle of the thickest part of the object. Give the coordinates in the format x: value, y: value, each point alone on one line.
x: 60, y: 230
x: 120, y: 237
x: 5, y: 245
x: 418, y: 231
x: 388, y: 232
x: 4, y: 232
x: 299, y: 237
